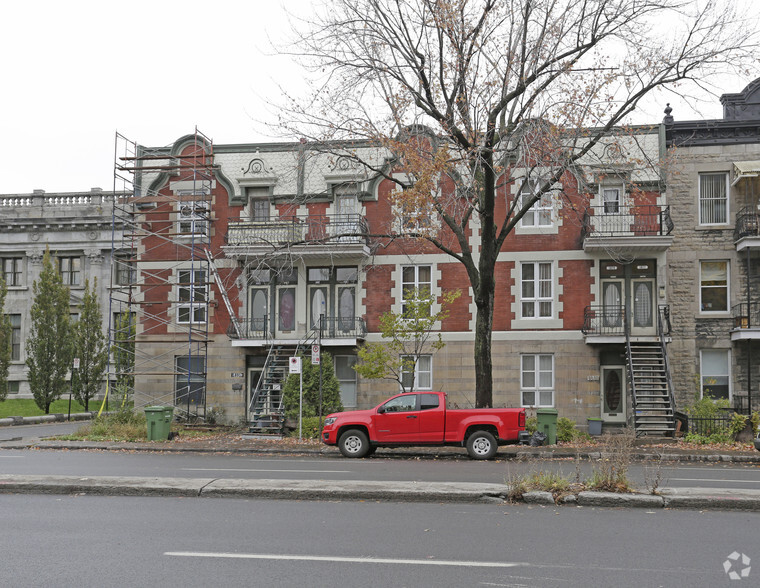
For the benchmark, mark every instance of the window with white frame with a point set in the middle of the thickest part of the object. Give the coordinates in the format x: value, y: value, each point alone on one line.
x: 344, y: 371
x: 611, y: 199
x: 419, y: 375
x: 192, y: 293
x: 193, y: 218
x: 540, y: 214
x: 713, y: 286
x: 537, y: 289
x: 537, y: 379
x: 715, y: 373
x: 713, y: 198
x: 259, y: 198
x: 70, y: 269
x: 12, y: 271
x: 416, y: 282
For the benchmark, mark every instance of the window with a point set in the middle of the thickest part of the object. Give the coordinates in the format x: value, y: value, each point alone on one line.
x: 189, y: 380
x: 405, y: 403
x: 536, y: 290
x: 418, y: 376
x: 713, y: 290
x: 429, y: 401
x: 70, y: 269
x: 126, y: 273
x: 12, y: 271
x: 416, y: 281
x: 611, y: 200
x: 193, y: 218
x: 344, y: 371
x: 715, y: 374
x: 537, y: 379
x: 15, y: 320
x: 192, y: 295
x: 13, y: 387
x: 713, y: 199
x: 259, y: 198
x: 540, y: 214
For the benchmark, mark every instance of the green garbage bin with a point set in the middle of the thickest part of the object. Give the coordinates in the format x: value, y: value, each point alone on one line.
x: 159, y: 422
x: 547, y: 424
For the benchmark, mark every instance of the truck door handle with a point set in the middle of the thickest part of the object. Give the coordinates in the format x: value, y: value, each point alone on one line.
x: 411, y: 416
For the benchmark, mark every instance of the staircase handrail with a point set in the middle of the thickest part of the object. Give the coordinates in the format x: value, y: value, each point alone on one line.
x: 664, y: 309
x: 631, y: 379
x: 264, y: 370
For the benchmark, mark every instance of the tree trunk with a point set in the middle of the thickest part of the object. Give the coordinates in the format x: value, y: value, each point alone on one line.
x: 483, y: 363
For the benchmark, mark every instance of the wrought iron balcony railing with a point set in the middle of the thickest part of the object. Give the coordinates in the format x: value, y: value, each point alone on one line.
x: 746, y: 315
x: 640, y: 220
x: 603, y: 319
x: 609, y: 319
x: 747, y: 223
x: 338, y: 229
x: 332, y: 328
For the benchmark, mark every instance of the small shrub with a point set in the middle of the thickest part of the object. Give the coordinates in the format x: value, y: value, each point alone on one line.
x: 531, y: 424
x: 309, y: 428
x: 713, y: 439
x: 566, y: 431
x: 738, y: 424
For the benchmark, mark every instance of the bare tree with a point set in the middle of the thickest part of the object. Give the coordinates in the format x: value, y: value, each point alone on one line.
x: 470, y: 96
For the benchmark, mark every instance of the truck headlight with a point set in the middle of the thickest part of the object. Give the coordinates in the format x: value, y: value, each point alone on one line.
x: 330, y: 420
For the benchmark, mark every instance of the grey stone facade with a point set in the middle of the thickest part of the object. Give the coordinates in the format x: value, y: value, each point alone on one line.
x: 725, y: 146
x: 76, y: 226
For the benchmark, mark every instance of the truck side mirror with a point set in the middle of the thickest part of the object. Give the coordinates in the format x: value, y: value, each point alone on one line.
x: 381, y: 410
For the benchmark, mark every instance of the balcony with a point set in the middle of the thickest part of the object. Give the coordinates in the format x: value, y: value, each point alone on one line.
x: 747, y: 229
x: 638, y: 228
x: 312, y: 236
x: 607, y: 323
x: 264, y: 331
x: 746, y: 321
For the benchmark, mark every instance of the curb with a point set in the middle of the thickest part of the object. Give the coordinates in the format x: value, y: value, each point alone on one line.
x: 437, y: 453
x: 45, y: 418
x: 454, y: 492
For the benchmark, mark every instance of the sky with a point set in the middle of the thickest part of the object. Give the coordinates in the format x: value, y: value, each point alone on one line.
x: 77, y: 72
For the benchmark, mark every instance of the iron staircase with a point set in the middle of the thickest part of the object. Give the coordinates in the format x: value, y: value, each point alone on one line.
x: 651, y: 385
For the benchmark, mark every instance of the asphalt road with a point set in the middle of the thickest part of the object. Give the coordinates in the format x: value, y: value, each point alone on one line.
x: 192, y: 465
x: 87, y: 541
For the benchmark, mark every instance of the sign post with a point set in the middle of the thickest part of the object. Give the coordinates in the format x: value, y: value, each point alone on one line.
x: 295, y: 368
x: 71, y: 383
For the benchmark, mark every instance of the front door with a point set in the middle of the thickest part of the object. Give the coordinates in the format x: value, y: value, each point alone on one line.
x: 612, y: 310
x: 642, y: 306
x: 259, y: 320
x: 286, y: 310
x: 613, y: 394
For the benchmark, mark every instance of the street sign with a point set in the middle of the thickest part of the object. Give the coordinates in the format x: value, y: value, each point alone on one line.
x: 295, y: 365
x: 315, y: 355
x: 76, y: 363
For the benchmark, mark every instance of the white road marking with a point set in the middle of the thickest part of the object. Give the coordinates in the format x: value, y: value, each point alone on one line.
x: 371, y: 560
x: 717, y: 480
x: 11, y: 456
x: 268, y: 471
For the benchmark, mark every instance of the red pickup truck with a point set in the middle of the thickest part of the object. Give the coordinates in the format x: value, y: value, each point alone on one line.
x: 421, y: 418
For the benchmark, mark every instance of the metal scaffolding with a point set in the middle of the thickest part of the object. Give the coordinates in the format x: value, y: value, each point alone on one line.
x: 160, y: 274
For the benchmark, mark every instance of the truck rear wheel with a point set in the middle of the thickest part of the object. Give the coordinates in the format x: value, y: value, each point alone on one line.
x: 353, y: 443
x: 481, y: 445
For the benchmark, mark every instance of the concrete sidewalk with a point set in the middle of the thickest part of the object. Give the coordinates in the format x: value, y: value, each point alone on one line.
x: 460, y: 492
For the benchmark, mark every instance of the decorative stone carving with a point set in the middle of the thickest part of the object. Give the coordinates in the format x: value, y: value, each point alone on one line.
x: 35, y: 257
x: 255, y: 167
x: 95, y: 256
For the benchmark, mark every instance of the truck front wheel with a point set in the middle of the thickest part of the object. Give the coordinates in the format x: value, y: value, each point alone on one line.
x: 353, y: 443
x: 481, y: 445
